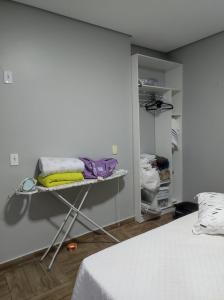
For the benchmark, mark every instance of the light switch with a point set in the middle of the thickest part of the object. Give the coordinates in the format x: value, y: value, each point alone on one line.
x: 8, y: 78
x: 114, y: 149
x: 14, y: 159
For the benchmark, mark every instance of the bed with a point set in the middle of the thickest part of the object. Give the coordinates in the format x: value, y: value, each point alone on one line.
x: 167, y: 263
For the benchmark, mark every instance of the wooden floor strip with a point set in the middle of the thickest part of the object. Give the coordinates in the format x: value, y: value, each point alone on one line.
x: 29, y: 279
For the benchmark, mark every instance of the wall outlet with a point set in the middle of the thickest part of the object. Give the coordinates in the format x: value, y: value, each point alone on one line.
x: 14, y: 159
x: 8, y: 78
x: 1, y: 76
x: 114, y: 149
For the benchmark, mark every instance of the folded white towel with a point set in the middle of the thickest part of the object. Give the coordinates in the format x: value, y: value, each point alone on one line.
x: 51, y: 165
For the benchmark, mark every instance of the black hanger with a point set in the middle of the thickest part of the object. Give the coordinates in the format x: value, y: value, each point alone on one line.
x: 139, y: 83
x: 158, y: 105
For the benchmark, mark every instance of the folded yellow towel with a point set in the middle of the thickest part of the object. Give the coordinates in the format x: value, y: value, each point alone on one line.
x: 59, y: 179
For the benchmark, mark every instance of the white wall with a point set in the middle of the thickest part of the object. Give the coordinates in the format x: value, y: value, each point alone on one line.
x: 203, y: 121
x: 71, y: 97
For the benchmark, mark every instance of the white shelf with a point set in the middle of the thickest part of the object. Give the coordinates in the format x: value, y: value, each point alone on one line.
x: 152, y: 214
x: 154, y: 88
x: 165, y: 182
x: 175, y: 115
x: 155, y: 63
x: 166, y: 207
x: 168, y: 210
x: 175, y: 91
x: 158, y: 89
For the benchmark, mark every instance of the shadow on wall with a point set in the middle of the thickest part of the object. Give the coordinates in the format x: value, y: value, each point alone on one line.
x: 45, y: 206
x: 15, y: 209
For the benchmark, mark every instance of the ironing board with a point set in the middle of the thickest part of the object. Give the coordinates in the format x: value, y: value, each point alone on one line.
x: 75, y: 211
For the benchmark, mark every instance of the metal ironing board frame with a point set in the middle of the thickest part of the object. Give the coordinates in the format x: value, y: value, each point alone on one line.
x: 74, y: 211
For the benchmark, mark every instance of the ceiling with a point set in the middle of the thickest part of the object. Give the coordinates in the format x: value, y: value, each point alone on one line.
x: 157, y: 24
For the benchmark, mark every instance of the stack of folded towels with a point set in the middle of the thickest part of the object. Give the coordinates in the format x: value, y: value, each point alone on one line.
x: 56, y: 171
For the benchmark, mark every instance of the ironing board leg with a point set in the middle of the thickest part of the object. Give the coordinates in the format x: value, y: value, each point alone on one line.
x: 117, y: 202
x: 69, y: 227
x: 61, y: 227
x: 84, y: 216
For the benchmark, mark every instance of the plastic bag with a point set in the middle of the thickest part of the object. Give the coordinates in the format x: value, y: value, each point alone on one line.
x: 149, y: 178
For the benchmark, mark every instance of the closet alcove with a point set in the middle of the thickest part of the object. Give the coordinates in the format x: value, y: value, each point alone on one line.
x: 152, y: 129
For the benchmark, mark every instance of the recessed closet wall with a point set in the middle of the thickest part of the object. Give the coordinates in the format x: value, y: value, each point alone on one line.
x: 152, y: 130
x: 146, y: 119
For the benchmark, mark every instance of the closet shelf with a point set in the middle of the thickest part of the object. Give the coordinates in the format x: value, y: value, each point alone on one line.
x: 166, y: 207
x: 147, y: 207
x: 175, y: 115
x: 158, y: 89
x: 165, y: 182
x: 175, y: 91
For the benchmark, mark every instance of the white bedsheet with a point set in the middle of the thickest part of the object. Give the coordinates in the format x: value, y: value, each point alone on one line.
x: 167, y: 263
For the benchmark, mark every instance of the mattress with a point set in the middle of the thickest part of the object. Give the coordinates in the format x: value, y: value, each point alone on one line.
x: 167, y: 263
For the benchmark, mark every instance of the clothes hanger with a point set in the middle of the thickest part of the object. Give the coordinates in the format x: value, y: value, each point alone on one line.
x: 156, y: 105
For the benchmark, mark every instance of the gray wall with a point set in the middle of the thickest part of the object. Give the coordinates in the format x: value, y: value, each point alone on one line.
x: 203, y: 121
x: 71, y: 97
x: 147, y: 131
